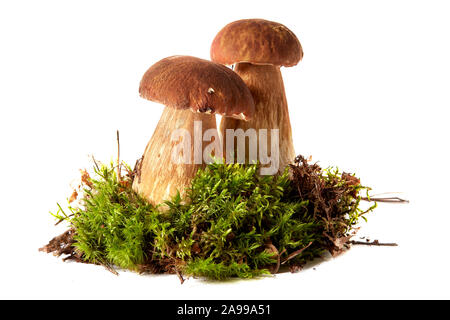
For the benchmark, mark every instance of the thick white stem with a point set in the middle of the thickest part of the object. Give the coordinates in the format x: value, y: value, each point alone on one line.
x: 271, y: 111
x: 162, y: 171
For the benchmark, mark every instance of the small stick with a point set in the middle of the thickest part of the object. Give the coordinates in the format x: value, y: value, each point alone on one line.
x: 118, y: 158
x: 61, y: 220
x: 295, y: 253
x: 95, y: 163
x: 110, y: 269
x: 180, y: 276
x: 71, y: 256
x: 388, y: 200
x: 374, y: 243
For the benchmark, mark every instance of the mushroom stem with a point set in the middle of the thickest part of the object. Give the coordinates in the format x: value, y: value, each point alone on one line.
x: 271, y: 111
x: 160, y: 173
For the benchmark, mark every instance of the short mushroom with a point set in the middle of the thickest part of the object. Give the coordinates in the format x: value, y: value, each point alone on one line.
x: 192, y: 90
x: 258, y: 48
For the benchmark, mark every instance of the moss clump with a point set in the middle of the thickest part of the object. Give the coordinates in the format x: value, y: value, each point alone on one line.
x: 232, y: 215
x: 333, y: 200
x: 232, y: 223
x: 112, y: 223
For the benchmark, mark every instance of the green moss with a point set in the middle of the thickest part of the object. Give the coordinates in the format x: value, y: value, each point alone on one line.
x: 113, y: 224
x: 227, y: 226
x: 232, y: 214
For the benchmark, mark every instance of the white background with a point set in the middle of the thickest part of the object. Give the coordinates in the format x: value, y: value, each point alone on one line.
x: 371, y: 96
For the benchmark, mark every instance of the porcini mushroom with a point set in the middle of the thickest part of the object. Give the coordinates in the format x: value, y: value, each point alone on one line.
x: 192, y: 90
x: 258, y: 48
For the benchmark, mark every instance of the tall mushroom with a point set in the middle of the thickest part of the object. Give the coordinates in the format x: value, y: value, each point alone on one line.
x: 258, y: 48
x: 192, y: 90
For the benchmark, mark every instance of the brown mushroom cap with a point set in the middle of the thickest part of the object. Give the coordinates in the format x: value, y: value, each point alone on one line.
x: 256, y: 41
x: 184, y: 82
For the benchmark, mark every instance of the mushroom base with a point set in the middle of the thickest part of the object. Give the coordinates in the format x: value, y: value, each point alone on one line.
x: 160, y: 174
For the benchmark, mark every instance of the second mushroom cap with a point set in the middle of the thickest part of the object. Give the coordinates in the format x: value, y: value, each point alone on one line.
x: 256, y: 41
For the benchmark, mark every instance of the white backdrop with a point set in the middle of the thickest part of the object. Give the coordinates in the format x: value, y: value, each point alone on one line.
x: 371, y: 96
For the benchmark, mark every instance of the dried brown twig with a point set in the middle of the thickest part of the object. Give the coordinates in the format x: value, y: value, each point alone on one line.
x: 118, y: 157
x: 387, y: 199
x: 373, y: 243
